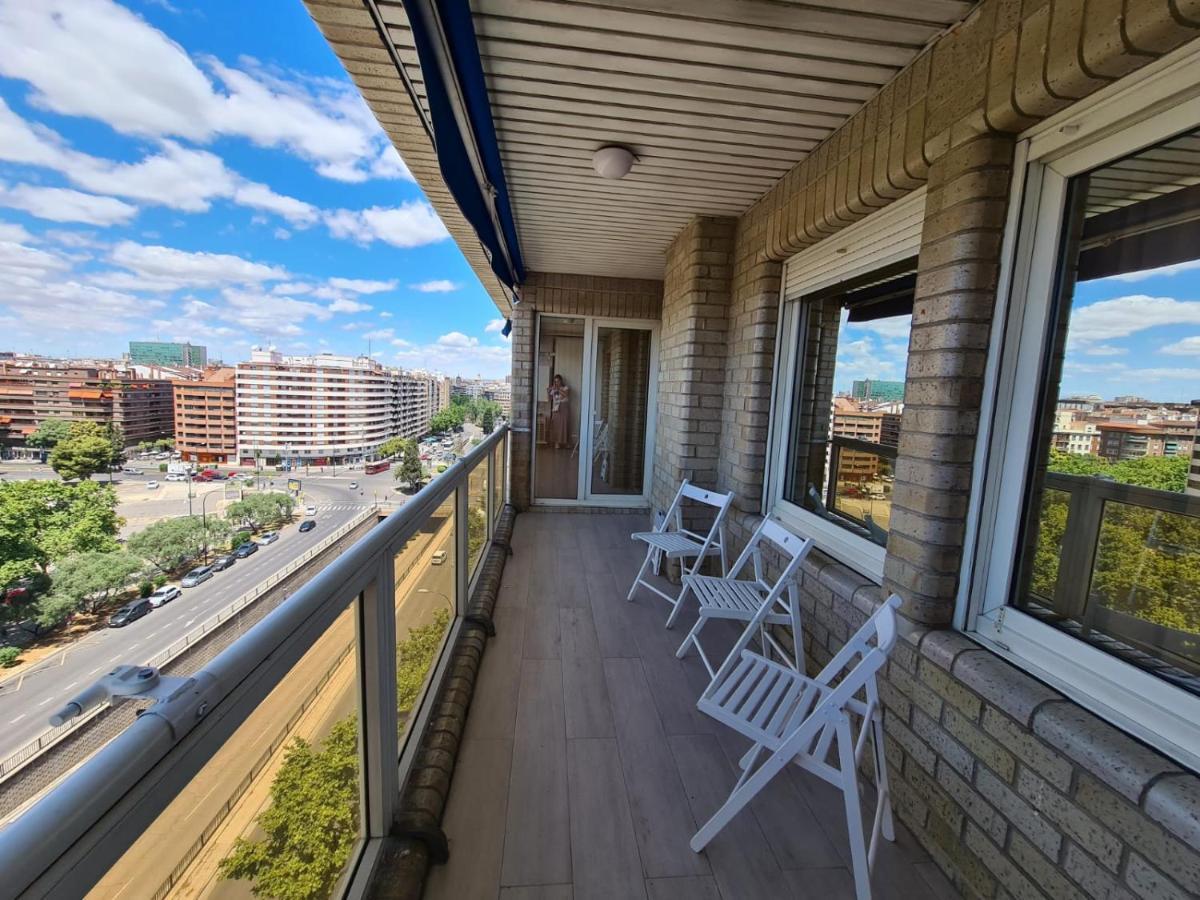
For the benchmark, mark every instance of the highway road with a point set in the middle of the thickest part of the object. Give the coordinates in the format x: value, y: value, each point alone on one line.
x: 422, y: 587
x: 27, y: 699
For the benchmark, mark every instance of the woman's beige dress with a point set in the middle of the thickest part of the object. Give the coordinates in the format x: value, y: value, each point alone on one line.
x: 559, y: 429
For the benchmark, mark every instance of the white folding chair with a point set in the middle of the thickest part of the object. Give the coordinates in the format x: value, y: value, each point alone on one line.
x: 794, y: 718
x: 670, y: 539
x: 741, y: 599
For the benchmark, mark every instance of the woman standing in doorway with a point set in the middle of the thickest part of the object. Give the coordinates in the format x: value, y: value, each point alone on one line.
x: 559, y: 427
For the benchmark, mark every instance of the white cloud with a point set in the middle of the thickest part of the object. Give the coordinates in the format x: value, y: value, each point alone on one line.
x: 14, y: 233
x: 292, y: 287
x: 110, y: 64
x: 66, y: 205
x: 1105, y: 350
x: 892, y: 327
x: 412, y: 224
x: 379, y: 334
x: 177, y: 177
x: 438, y: 286
x: 346, y: 305
x: 495, y: 326
x: 156, y: 268
x: 361, y: 285
x: 1161, y: 271
x: 456, y: 352
x: 385, y: 315
x: 389, y: 164
x: 1189, y: 346
x: 1123, y: 316
x: 281, y: 234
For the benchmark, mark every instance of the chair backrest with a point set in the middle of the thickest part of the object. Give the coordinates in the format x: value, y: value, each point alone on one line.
x: 870, y: 646
x: 789, y: 544
x: 688, y: 491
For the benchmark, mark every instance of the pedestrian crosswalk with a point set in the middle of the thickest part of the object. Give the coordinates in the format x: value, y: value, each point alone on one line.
x: 335, y: 507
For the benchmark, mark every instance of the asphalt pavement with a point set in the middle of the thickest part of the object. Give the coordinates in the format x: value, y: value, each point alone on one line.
x: 27, y: 699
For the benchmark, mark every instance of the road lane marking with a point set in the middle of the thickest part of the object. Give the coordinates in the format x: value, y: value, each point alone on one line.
x: 47, y: 700
x: 17, y: 719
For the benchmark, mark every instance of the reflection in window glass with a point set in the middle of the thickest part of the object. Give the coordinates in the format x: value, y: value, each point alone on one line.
x: 1112, y: 533
x: 558, y: 383
x: 848, y: 398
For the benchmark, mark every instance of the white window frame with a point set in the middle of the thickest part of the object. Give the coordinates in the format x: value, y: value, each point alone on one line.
x: 1161, y: 101
x: 883, y: 238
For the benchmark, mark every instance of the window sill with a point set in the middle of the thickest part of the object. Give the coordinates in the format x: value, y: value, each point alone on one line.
x: 857, y: 553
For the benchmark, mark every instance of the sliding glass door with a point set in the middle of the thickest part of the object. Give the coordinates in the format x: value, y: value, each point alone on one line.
x: 594, y: 390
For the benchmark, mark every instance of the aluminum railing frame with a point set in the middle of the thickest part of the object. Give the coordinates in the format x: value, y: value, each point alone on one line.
x: 69, y: 839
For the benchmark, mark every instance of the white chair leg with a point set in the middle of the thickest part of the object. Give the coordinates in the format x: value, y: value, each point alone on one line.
x: 738, y: 799
x: 854, y: 822
x: 678, y: 605
x: 881, y: 778
x: 637, y: 579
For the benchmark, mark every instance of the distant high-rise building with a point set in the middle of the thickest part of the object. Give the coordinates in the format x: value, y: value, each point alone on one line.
x: 885, y: 391
x: 206, y: 418
x: 165, y: 353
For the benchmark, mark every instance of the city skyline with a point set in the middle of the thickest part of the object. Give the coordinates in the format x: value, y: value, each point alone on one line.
x: 243, y: 196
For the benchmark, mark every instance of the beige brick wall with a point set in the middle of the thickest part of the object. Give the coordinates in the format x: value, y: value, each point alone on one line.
x: 692, y: 348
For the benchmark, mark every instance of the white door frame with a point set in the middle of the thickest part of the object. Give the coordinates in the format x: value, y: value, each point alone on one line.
x: 587, y: 392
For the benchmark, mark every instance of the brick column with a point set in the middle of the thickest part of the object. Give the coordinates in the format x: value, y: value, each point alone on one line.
x: 521, y: 440
x: 692, y: 356
x: 955, y: 297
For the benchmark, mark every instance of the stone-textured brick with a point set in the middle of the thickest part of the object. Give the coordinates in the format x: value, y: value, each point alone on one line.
x: 984, y: 749
x: 1053, y: 767
x: 952, y: 753
x: 982, y: 813
x: 1174, y: 802
x: 1118, y: 760
x: 1094, y: 880
x: 951, y: 690
x: 1076, y: 824
x: 1150, y: 884
x: 1015, y: 883
x: 1044, y: 872
x: 1021, y: 814
x: 1002, y: 685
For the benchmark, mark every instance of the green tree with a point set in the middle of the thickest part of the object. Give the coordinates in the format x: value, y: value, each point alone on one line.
x: 312, y: 822
x: 51, y: 610
x: 410, y: 469
x: 392, y: 447
x: 488, y: 420
x: 89, y: 580
x: 1163, y: 473
x: 89, y: 448
x: 255, y: 511
x: 446, y: 419
x: 169, y: 543
x: 311, y: 825
x: 49, y: 433
x: 44, y: 521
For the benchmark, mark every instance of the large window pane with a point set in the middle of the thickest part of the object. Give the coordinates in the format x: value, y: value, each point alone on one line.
x: 622, y: 392
x: 425, y: 585
x: 477, y: 520
x: 848, y: 397
x: 1112, y: 530
x: 277, y: 805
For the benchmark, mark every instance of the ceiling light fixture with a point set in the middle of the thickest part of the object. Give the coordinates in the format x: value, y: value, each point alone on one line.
x: 613, y: 161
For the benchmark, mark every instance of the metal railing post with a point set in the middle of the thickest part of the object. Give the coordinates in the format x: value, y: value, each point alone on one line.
x: 462, y: 561
x: 380, y: 742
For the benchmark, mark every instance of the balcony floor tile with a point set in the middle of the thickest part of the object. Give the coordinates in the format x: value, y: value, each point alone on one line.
x: 586, y: 766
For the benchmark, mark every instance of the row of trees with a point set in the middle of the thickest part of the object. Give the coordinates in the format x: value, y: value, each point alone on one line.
x: 1147, y: 561
x: 79, y: 449
x: 311, y: 826
x: 61, y: 537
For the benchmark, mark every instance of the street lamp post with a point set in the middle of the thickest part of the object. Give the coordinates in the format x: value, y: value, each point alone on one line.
x: 204, y: 522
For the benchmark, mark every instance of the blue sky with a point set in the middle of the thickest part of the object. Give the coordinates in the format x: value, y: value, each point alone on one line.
x: 208, y: 171
x: 1137, y: 333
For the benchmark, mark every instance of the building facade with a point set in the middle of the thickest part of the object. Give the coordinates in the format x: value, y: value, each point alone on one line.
x: 167, y: 353
x: 206, y: 417
x: 886, y: 391
x: 34, y: 389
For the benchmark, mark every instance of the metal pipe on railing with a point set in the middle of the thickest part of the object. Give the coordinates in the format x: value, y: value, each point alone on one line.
x: 50, y: 836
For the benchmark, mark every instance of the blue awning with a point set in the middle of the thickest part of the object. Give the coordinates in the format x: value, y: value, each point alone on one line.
x: 463, y: 132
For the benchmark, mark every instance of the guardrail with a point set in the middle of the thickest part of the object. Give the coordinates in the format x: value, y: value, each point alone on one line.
x: 71, y: 838
x: 16, y: 760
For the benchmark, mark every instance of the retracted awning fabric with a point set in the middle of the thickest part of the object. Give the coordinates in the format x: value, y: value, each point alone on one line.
x: 464, y: 135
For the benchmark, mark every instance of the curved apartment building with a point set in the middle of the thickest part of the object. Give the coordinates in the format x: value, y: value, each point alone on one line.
x: 316, y: 410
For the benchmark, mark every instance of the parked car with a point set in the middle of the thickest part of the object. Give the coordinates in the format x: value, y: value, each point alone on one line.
x: 197, y: 576
x: 130, y: 470
x: 354, y: 485
x: 439, y: 557
x: 152, y: 485
x: 176, y: 476
x: 221, y: 563
x: 310, y: 510
x: 308, y: 525
x: 164, y: 595
x: 246, y: 549
x: 268, y: 537
x: 130, y: 612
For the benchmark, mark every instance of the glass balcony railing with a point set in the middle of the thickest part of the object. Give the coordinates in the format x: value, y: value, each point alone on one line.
x: 280, y: 762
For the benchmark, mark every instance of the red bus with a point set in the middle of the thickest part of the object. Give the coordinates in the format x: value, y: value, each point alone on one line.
x: 374, y: 467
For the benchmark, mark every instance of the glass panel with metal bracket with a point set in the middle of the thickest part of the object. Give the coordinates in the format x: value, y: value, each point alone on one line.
x: 1111, y: 533
x: 278, y: 760
x: 477, y: 514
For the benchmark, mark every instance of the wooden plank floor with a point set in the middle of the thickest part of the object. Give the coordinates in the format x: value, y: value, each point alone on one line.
x: 586, y: 768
